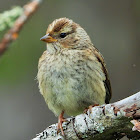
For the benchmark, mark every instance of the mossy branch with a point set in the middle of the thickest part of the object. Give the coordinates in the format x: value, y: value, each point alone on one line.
x: 8, y: 18
x: 106, y: 122
x: 13, y: 33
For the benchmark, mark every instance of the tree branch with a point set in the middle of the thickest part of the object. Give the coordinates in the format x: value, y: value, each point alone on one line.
x: 111, y: 121
x: 12, y: 34
x: 7, y: 18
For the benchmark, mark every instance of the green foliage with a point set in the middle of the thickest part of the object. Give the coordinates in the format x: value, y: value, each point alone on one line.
x: 8, y: 18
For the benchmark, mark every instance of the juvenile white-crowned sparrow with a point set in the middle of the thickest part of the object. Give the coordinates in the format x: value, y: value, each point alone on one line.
x: 71, y: 72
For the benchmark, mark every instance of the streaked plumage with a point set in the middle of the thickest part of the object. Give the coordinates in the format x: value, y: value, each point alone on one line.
x: 71, y: 72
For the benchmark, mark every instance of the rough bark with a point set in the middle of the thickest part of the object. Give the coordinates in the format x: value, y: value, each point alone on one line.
x: 111, y: 121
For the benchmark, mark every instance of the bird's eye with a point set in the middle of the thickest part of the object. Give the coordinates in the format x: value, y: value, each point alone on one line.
x: 62, y: 35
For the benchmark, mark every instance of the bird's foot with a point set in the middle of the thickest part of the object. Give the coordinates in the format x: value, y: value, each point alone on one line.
x: 61, y: 119
x: 90, y: 108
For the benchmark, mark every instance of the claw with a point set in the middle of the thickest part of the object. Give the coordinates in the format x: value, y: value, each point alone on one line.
x: 90, y: 108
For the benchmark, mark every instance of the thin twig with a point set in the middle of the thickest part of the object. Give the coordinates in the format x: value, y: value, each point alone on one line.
x: 12, y: 34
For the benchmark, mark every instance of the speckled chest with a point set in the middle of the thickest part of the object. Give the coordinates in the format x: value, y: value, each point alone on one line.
x: 71, y: 78
x: 63, y: 69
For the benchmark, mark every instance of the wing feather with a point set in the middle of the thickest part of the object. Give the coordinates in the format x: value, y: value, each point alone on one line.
x: 107, y: 81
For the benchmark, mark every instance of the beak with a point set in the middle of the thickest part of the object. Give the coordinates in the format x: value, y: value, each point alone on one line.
x: 47, y: 38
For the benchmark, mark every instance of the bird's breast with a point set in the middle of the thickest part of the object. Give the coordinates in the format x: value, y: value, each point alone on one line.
x: 70, y: 80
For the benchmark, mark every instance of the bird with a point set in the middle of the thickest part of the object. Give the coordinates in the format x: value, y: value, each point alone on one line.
x: 72, y: 73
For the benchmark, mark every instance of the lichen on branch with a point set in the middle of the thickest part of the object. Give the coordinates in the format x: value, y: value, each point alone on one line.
x: 106, y: 122
x: 7, y: 18
x: 13, y: 33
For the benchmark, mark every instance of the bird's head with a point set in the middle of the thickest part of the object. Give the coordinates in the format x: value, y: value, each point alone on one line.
x: 64, y: 33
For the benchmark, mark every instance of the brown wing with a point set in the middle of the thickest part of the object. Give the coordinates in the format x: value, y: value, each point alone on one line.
x: 107, y: 81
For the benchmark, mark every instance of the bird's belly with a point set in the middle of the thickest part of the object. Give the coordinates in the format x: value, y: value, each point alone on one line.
x: 69, y: 90
x: 68, y: 94
x: 71, y: 86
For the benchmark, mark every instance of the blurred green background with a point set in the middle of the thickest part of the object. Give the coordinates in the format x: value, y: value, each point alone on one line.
x: 114, y: 27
